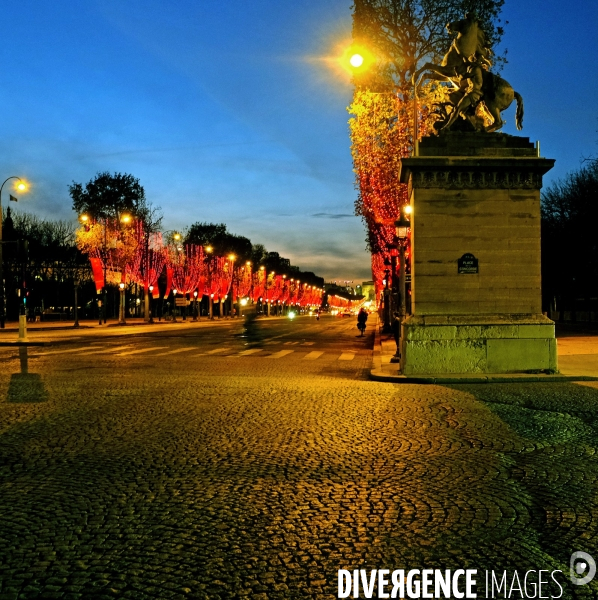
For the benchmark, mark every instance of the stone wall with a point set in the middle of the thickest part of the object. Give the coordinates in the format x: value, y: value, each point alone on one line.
x: 500, y: 227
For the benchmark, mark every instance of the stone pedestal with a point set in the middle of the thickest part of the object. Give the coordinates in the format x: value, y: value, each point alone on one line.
x: 475, y: 272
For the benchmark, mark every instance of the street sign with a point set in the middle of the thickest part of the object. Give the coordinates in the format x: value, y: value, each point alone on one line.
x: 468, y: 263
x: 181, y: 302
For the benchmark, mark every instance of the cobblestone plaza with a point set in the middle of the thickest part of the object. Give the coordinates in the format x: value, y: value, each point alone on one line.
x: 186, y: 464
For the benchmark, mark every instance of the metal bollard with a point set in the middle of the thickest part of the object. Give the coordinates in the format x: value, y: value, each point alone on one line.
x: 22, y: 328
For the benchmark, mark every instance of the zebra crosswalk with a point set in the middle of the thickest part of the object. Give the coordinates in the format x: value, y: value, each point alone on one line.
x: 150, y: 351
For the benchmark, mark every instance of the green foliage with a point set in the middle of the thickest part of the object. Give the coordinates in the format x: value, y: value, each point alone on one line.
x: 110, y: 196
x: 223, y: 242
x: 258, y: 254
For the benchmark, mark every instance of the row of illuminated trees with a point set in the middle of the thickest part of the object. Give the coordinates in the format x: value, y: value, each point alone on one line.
x: 121, y: 234
x: 124, y: 252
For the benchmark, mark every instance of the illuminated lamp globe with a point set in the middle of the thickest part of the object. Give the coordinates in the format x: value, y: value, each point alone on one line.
x: 356, y: 60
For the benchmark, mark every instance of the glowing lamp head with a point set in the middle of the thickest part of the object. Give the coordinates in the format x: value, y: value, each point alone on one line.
x: 356, y: 60
x: 121, y: 285
x: 126, y: 218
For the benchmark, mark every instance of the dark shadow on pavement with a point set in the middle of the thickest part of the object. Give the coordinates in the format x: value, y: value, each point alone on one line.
x: 560, y: 412
x: 252, y: 332
x: 25, y: 386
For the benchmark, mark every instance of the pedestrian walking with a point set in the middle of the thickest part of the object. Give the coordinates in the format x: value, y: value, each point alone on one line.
x: 362, y: 318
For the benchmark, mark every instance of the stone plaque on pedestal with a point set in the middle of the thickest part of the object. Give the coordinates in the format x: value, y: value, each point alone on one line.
x: 475, y: 235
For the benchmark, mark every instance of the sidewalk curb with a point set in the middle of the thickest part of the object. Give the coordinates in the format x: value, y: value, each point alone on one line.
x: 14, y: 328
x: 377, y: 374
x: 24, y: 343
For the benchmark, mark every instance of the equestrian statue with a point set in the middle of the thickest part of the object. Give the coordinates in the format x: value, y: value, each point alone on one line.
x: 466, y: 67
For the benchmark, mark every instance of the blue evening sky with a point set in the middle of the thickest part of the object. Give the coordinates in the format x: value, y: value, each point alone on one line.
x: 226, y: 113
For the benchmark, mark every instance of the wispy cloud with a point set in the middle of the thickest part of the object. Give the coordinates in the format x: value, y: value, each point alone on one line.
x: 332, y: 215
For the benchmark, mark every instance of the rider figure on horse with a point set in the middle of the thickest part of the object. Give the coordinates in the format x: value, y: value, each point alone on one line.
x: 474, y: 77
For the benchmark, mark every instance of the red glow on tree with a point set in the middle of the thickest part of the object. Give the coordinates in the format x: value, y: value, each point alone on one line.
x: 149, y: 259
x: 259, y: 284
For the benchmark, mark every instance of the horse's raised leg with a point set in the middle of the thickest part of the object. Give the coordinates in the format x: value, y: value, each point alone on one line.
x: 498, y: 122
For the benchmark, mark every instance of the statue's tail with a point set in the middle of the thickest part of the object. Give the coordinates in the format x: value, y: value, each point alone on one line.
x: 519, y: 113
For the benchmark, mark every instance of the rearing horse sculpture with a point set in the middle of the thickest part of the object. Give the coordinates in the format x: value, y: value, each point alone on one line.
x: 470, y: 40
x: 466, y: 66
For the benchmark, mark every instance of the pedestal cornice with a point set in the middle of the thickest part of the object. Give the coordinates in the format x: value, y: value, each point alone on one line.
x: 474, y: 172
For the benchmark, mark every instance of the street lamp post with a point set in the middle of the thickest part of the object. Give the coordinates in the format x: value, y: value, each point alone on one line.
x: 21, y: 186
x: 121, y: 308
x: 208, y: 250
x: 84, y: 218
x: 104, y: 290
x: 386, y: 328
x: 231, y: 262
x: 195, y: 305
x: 402, y: 233
x: 150, y: 304
x: 125, y: 219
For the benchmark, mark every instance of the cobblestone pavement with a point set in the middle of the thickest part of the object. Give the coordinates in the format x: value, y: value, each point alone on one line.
x: 193, y: 469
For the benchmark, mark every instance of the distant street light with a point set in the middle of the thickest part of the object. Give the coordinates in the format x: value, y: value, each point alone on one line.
x: 22, y: 186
